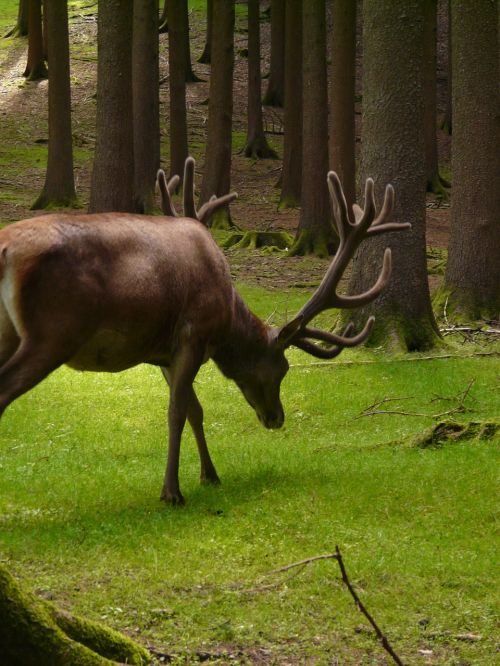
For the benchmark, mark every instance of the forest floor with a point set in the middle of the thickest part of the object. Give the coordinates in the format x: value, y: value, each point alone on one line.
x: 23, y: 112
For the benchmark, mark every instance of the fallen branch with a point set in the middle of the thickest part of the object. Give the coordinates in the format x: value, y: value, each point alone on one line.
x: 392, y: 360
x: 458, y: 409
x: 382, y: 638
x: 345, y: 578
x: 469, y: 329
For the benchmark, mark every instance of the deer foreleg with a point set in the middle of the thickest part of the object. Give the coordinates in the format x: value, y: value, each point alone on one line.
x: 208, y: 473
x: 180, y: 376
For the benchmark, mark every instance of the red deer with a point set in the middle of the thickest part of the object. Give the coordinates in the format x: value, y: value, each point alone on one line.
x: 107, y: 291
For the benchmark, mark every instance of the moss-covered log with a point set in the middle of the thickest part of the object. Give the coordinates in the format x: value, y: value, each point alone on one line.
x: 447, y: 432
x: 33, y: 632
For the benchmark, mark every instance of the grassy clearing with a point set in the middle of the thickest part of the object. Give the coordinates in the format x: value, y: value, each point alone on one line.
x: 81, y: 464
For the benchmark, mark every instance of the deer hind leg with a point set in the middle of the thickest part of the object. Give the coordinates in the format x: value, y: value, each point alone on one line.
x: 195, y: 417
x: 27, y: 366
x: 208, y: 473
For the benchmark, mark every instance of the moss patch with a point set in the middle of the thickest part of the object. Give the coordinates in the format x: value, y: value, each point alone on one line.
x: 448, y: 432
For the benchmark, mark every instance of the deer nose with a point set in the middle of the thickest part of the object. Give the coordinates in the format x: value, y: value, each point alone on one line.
x: 274, y: 421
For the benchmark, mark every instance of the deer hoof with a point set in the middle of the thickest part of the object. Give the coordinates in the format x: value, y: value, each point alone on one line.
x: 173, y: 498
x: 209, y: 480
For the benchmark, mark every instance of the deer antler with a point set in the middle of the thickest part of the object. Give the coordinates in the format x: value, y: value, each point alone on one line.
x: 351, y: 234
x: 189, y: 207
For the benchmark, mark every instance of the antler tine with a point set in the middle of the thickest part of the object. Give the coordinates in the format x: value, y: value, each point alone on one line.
x: 173, y: 184
x: 164, y: 187
x: 339, y: 205
x: 188, y: 191
x: 340, y: 341
x: 372, y: 293
x: 370, y: 209
x: 380, y: 225
x: 213, y: 204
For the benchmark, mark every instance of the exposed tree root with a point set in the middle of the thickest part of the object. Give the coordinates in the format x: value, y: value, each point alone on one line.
x: 33, y: 632
x: 46, y: 202
x: 256, y: 239
x: 307, y: 242
x: 439, y: 186
x: 288, y: 201
x: 221, y: 219
x: 258, y: 148
x: 462, y: 306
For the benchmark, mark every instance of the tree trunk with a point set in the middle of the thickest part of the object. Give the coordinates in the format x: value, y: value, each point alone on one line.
x: 342, y: 134
x: 45, y: 30
x: 393, y: 151
x: 59, y: 188
x: 256, y: 146
x: 112, y: 187
x: 33, y: 632
x: 473, y: 272
x: 275, y: 93
x: 188, y: 70
x: 291, y: 174
x: 434, y: 183
x: 447, y: 123
x: 314, y: 234
x: 217, y: 170
x: 21, y: 27
x: 207, y: 50
x: 146, y: 103
x: 177, y: 82
x: 35, y: 67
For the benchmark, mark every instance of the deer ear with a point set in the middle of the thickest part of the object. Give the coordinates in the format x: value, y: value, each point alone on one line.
x: 287, y: 332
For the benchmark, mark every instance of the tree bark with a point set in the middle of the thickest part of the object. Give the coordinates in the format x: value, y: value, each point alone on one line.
x: 205, y: 57
x: 146, y: 103
x: 217, y: 170
x: 473, y: 272
x: 447, y: 124
x: 112, y: 187
x: 35, y: 67
x: 291, y: 174
x: 434, y: 183
x: 275, y: 93
x: 256, y: 145
x: 59, y: 188
x: 314, y: 234
x: 342, y: 134
x: 177, y: 82
x: 33, y: 632
x: 393, y: 151
x: 21, y: 27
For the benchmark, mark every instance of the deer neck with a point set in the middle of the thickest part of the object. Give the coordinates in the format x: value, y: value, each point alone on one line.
x: 246, y: 341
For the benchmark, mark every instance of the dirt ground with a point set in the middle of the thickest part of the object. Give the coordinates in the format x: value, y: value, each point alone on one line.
x: 23, y: 115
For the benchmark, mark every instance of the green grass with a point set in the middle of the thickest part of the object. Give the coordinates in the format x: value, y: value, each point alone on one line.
x: 8, y: 15
x: 81, y: 464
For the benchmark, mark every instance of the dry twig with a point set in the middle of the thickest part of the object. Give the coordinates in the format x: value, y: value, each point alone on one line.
x: 361, y: 607
x: 460, y: 408
x: 345, y: 578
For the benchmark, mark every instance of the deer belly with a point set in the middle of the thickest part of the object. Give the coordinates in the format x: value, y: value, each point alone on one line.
x: 109, y: 351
